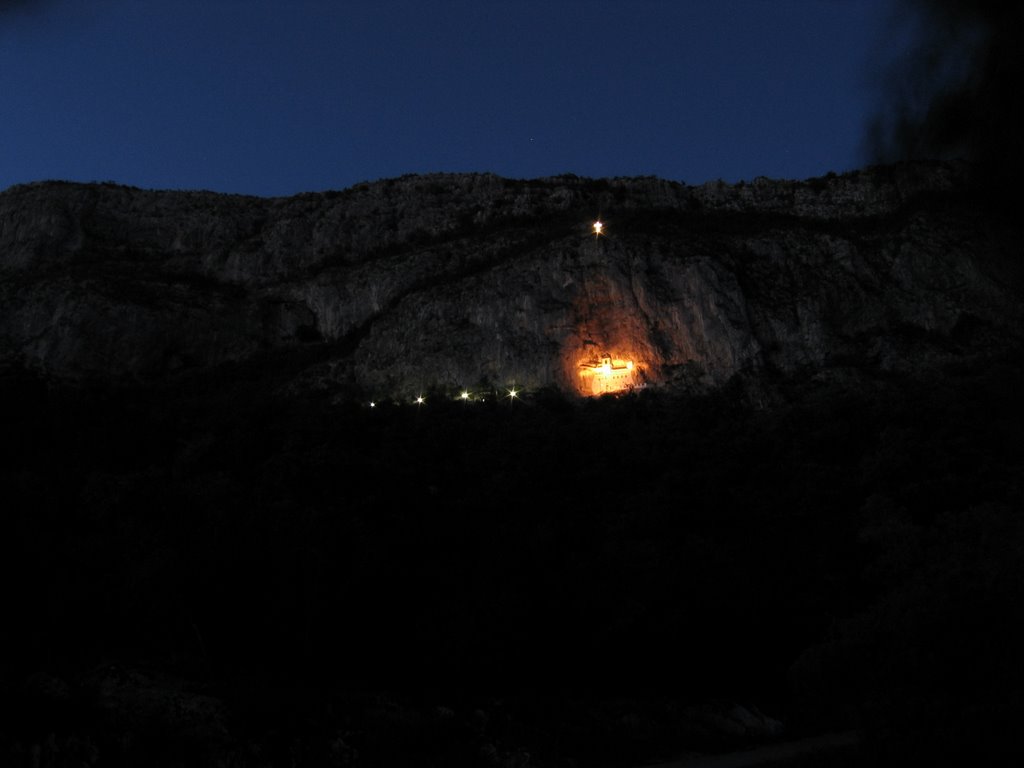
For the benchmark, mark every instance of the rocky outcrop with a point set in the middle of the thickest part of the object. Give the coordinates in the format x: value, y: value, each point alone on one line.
x: 473, y: 280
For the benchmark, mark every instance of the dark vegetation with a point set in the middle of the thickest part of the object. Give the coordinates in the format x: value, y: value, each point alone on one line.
x: 463, y: 584
x: 956, y: 93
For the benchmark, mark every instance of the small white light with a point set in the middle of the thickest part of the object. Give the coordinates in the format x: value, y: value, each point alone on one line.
x: 373, y: 404
x: 598, y: 226
x: 464, y: 395
x: 420, y: 400
x: 513, y: 393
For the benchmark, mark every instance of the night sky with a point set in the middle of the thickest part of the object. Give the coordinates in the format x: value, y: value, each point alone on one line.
x: 275, y: 97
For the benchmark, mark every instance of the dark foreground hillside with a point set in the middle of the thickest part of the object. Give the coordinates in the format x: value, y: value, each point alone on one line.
x: 212, y: 575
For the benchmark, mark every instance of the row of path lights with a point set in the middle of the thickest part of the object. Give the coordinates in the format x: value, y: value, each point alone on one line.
x: 464, y: 396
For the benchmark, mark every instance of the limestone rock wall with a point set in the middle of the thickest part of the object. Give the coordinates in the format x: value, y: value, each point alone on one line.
x: 475, y: 280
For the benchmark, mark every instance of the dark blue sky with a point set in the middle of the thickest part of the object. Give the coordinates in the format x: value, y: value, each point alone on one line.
x: 274, y: 97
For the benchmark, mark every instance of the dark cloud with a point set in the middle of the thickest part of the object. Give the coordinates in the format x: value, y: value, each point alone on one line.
x: 15, y: 8
x: 958, y: 92
x: 14, y: 12
x: 20, y: 5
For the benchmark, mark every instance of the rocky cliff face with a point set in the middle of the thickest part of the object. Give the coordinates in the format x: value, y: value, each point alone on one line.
x: 446, y: 281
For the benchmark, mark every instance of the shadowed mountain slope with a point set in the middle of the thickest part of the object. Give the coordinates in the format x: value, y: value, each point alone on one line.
x: 215, y: 552
x: 446, y: 281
